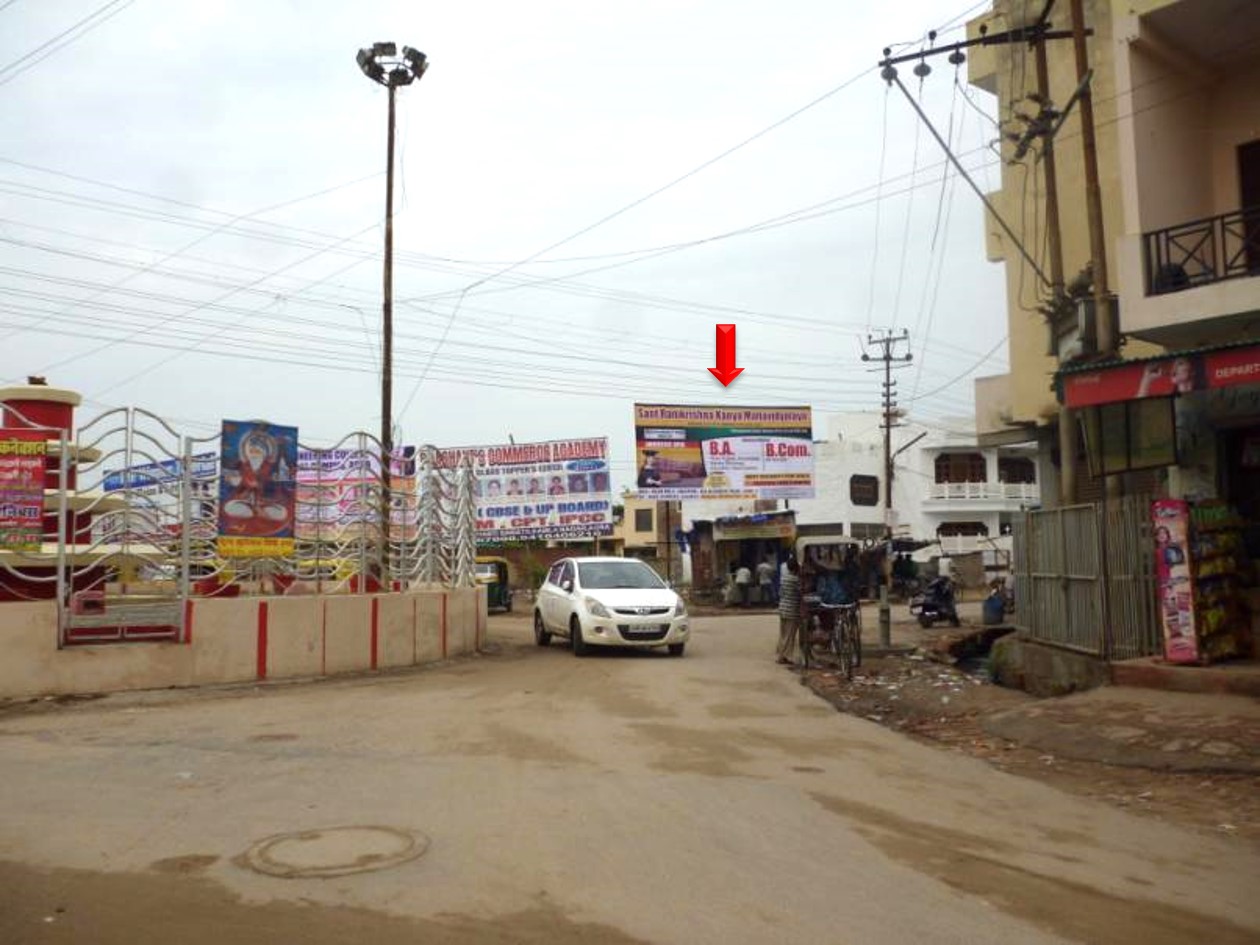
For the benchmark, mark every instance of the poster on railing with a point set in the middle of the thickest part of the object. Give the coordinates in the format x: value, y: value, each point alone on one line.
x: 717, y: 452
x: 257, y: 489
x: 553, y: 489
x: 22, y: 454
x: 1171, y: 521
x: 338, y: 493
x: 163, y: 478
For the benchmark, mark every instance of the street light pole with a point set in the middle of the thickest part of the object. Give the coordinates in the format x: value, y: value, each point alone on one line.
x: 387, y: 331
x: 382, y: 64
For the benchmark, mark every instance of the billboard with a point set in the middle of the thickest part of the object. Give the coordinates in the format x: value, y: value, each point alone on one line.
x: 698, y: 452
x: 553, y: 489
x: 338, y: 493
x: 257, y: 489
x: 22, y: 455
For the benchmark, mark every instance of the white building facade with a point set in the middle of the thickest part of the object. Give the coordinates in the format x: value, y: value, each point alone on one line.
x: 945, y: 487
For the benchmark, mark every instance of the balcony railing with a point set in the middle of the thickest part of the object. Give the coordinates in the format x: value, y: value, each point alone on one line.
x: 1202, y: 252
x: 991, y: 491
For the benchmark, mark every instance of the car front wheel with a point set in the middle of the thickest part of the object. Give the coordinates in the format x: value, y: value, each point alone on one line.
x: 580, y: 646
x: 541, y: 636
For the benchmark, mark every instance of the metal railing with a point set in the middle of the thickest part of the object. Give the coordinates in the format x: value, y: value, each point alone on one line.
x: 1202, y: 251
x: 131, y: 528
x: 1015, y: 491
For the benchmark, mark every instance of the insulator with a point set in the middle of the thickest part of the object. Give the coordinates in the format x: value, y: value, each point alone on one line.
x: 922, y: 70
x: 888, y: 73
x: 957, y: 57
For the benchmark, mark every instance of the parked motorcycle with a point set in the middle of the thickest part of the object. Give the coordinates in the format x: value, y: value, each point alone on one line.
x: 936, y: 603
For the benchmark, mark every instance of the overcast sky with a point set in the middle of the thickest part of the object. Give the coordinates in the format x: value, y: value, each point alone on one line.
x: 192, y: 200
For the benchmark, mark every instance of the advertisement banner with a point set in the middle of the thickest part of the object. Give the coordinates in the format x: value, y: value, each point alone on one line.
x: 1163, y: 377
x: 257, y: 489
x: 1171, y: 521
x: 690, y: 452
x: 22, y: 454
x: 553, y: 489
x: 338, y: 493
x: 163, y: 478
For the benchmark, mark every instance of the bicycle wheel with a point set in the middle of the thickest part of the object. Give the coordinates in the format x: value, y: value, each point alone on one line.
x: 856, y: 628
x: 844, y: 648
x: 805, y: 633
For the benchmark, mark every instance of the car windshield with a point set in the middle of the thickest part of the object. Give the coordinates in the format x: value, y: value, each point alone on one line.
x: 611, y: 574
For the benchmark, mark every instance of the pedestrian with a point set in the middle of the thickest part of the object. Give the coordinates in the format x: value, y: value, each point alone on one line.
x: 743, y: 581
x: 789, y: 611
x: 765, y: 581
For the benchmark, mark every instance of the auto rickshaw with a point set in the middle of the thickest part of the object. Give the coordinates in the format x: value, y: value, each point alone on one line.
x: 493, y: 573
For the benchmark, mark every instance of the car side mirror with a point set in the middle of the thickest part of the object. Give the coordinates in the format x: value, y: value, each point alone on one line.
x: 566, y: 586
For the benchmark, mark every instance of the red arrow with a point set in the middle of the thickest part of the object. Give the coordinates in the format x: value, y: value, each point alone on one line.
x: 726, y: 371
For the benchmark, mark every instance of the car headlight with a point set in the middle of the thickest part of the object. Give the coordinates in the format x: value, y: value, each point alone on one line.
x: 680, y: 609
x: 596, y: 608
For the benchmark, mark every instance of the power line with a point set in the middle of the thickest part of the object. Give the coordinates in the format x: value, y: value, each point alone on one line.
x: 879, y: 187
x: 96, y: 18
x: 950, y: 383
x: 209, y: 234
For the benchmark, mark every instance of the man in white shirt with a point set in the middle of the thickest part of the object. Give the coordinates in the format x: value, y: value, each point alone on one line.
x: 765, y: 582
x: 743, y: 581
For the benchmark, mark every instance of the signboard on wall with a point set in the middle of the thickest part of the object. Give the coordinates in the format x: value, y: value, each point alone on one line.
x: 718, y: 452
x: 547, y: 490
x: 22, y: 454
x: 257, y: 489
x: 1162, y: 377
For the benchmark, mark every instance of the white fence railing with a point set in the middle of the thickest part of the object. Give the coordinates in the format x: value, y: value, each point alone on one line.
x: 1029, y: 492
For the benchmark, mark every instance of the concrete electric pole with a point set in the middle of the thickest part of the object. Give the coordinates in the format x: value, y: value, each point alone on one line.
x: 886, y: 344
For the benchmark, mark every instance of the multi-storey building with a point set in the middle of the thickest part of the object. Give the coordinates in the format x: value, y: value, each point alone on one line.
x: 1177, y: 409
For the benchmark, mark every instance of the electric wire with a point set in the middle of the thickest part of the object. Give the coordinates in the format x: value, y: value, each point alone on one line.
x: 94, y: 20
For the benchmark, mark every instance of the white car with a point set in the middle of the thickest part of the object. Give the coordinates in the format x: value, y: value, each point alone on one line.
x: 609, y: 602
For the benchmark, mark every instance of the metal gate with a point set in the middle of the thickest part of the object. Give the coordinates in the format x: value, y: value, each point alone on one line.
x: 1085, y: 578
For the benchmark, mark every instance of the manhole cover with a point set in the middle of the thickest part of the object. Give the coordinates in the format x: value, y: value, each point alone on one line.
x: 334, y: 851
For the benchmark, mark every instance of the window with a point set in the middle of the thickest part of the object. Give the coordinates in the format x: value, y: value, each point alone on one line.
x: 957, y: 529
x: 1016, y: 469
x: 961, y: 467
x: 642, y: 520
x: 1130, y: 435
x: 553, y: 576
x: 864, y: 530
x: 566, y: 573
x: 864, y: 490
x: 618, y: 574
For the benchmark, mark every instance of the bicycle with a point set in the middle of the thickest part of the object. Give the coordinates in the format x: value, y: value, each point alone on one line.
x: 845, y: 639
x: 843, y: 633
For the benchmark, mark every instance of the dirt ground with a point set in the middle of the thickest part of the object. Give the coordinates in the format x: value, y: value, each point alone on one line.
x: 948, y: 706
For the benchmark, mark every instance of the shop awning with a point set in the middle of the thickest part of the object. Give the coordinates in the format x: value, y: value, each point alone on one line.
x: 764, y: 525
x: 1177, y: 372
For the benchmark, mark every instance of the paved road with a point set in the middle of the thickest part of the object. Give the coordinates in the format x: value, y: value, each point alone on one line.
x: 617, y: 799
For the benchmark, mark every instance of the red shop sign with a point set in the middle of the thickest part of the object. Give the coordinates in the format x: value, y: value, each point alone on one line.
x: 1163, y: 377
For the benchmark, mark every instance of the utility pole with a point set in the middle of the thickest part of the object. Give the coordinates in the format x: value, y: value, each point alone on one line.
x: 382, y: 64
x: 887, y: 343
x: 1106, y: 326
x: 1044, y: 125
